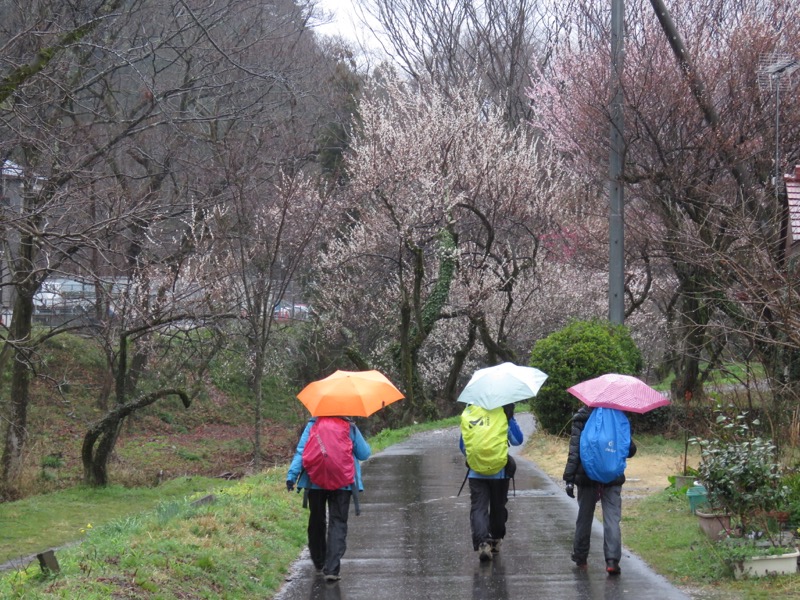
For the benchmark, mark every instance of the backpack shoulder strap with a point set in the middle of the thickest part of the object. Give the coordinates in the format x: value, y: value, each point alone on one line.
x: 354, y: 487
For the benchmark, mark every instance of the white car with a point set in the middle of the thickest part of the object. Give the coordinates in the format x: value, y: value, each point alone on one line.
x: 46, y: 302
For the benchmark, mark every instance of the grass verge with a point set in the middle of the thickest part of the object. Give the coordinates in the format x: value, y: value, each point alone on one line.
x: 52, y: 520
x: 239, y: 545
x: 388, y: 437
x: 156, y: 543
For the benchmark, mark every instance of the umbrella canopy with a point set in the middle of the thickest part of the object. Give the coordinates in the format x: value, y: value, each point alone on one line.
x: 502, y: 384
x: 349, y: 394
x: 622, y: 392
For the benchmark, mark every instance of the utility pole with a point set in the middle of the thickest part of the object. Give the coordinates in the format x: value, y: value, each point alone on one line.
x: 777, y: 69
x: 616, y: 221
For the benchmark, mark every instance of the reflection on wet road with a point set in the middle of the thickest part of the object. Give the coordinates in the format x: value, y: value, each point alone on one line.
x: 412, y: 540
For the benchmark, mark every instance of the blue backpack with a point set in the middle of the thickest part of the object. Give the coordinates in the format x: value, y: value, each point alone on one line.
x: 605, y: 444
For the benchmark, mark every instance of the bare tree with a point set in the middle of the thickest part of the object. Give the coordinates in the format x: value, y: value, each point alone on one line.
x: 114, y: 118
x: 265, y: 239
x: 496, y: 42
x: 699, y: 157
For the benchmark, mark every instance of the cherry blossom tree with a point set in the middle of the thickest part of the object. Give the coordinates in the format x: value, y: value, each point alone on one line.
x: 441, y: 251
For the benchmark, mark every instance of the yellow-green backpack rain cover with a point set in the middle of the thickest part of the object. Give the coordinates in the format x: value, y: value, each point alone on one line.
x: 485, y: 434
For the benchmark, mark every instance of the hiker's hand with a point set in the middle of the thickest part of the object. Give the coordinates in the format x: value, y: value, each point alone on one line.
x: 570, y: 489
x: 289, y: 485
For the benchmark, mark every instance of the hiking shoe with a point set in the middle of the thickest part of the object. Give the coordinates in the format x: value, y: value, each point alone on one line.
x: 485, y: 552
x: 612, y: 567
x: 496, y: 546
x: 331, y: 578
x: 580, y: 561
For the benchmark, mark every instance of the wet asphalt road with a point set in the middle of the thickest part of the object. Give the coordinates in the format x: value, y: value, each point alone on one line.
x: 412, y: 539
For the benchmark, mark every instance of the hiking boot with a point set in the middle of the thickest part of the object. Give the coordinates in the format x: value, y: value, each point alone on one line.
x: 331, y: 578
x: 580, y: 561
x: 485, y: 552
x: 496, y: 546
x: 612, y: 567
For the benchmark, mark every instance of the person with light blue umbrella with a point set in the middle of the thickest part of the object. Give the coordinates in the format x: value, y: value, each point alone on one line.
x: 488, y: 428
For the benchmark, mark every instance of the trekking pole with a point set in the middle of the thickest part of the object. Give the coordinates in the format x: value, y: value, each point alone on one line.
x: 462, y: 484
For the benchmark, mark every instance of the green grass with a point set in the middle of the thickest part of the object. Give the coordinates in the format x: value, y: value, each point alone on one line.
x: 153, y: 542
x: 240, y: 545
x: 52, y: 520
x: 663, y: 532
x: 737, y: 373
x: 728, y: 373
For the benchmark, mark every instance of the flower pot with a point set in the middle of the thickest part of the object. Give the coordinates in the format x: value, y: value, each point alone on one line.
x: 760, y: 566
x: 714, y: 525
x: 698, y: 498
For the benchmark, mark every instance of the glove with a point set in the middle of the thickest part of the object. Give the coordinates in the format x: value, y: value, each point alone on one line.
x: 289, y: 485
x: 570, y: 489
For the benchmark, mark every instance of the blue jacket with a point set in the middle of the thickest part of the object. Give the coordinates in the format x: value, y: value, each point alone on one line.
x: 514, y: 439
x: 361, y: 451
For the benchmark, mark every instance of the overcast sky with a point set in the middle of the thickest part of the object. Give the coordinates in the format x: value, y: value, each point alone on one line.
x: 344, y: 22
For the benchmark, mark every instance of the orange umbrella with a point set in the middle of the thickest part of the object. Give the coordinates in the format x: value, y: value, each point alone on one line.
x: 349, y: 394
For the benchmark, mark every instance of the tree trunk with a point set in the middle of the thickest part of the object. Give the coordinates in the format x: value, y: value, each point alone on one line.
x: 99, y: 441
x: 258, y: 393
x: 687, y: 384
x: 460, y: 356
x: 16, y: 429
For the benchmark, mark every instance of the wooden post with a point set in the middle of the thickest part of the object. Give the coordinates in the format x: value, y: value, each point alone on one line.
x: 48, y: 562
x: 204, y: 500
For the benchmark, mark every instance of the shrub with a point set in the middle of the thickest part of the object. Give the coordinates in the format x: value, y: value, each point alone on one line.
x: 792, y: 482
x: 742, y: 473
x: 580, y: 351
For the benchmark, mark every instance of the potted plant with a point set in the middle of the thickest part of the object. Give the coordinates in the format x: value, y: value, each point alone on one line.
x: 743, y: 477
x: 751, y: 558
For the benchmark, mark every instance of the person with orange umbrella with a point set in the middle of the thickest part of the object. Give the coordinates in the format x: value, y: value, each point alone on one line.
x: 326, y: 463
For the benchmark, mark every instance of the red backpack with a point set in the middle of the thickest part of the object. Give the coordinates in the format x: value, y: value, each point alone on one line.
x: 328, y: 454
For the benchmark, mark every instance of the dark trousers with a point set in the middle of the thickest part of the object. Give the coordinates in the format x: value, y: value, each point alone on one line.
x: 488, y: 513
x: 611, y: 501
x: 327, y: 538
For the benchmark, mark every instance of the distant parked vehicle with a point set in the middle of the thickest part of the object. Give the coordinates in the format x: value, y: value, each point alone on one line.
x: 282, y: 311
x: 61, y: 296
x: 76, y: 294
x: 285, y: 311
x: 301, y: 311
x: 46, y: 302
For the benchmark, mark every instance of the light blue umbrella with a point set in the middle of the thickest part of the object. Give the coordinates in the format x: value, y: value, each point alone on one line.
x: 502, y: 384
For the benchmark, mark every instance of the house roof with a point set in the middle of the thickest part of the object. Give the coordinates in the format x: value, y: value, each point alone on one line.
x: 792, y: 181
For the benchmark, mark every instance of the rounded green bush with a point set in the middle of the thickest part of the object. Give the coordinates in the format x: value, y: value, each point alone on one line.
x: 580, y: 351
